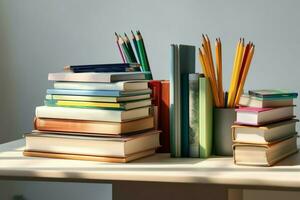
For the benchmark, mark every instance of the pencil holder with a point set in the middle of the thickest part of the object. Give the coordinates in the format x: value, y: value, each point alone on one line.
x: 222, y: 122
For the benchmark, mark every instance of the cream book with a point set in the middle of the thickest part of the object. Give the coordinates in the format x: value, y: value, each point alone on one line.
x: 264, y: 134
x: 120, y: 85
x: 93, y: 146
x: 91, y: 113
x: 264, y: 154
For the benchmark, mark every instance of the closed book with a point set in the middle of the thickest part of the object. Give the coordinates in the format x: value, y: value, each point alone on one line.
x: 264, y: 134
x: 113, y: 67
x: 273, y: 93
x: 125, y: 159
x: 164, y: 123
x: 260, y: 116
x: 120, y: 85
x: 96, y: 77
x: 91, y: 145
x: 253, y: 101
x: 109, y: 93
x: 264, y: 154
x: 104, y: 105
x: 93, y: 127
x: 194, y: 116
x: 205, y: 117
x: 182, y: 63
x: 97, y: 98
x: 155, y: 86
x: 91, y: 114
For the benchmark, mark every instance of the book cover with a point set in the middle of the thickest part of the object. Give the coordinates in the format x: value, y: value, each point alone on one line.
x: 194, y: 115
x: 273, y: 93
x: 205, y: 117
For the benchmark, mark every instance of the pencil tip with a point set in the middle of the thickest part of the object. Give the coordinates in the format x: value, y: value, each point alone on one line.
x: 116, y: 34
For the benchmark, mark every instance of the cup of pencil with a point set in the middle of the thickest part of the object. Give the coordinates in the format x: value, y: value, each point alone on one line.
x: 225, y: 103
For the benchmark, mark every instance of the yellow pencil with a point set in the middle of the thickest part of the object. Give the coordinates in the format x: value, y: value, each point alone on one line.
x: 219, y: 70
x: 244, y: 75
x: 202, y: 63
x: 233, y: 74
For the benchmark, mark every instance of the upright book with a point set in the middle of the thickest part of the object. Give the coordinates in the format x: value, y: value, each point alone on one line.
x: 182, y: 63
x: 205, y: 117
x: 194, y: 115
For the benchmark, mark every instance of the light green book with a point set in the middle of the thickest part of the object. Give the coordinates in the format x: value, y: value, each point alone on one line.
x: 205, y: 117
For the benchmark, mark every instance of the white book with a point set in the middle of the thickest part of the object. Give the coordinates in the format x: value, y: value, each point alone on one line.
x: 96, y: 77
x: 91, y: 114
x: 121, y: 85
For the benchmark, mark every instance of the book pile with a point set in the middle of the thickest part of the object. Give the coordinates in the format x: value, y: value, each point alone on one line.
x: 95, y: 112
x: 265, y: 131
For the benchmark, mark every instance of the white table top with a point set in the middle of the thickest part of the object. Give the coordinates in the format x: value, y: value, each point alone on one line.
x: 157, y: 168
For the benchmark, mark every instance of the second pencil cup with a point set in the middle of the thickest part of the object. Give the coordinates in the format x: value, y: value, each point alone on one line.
x: 222, y: 122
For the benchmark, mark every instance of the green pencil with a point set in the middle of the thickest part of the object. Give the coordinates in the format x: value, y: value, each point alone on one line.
x: 125, y: 50
x: 143, y: 54
x: 136, y: 47
x: 130, y: 49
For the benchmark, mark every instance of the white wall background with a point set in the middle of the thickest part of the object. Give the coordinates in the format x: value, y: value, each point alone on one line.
x: 41, y: 36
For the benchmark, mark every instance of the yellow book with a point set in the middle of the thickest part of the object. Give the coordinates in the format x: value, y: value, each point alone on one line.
x: 87, y: 104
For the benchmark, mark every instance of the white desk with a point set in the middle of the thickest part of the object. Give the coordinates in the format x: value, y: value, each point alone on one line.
x: 158, y: 170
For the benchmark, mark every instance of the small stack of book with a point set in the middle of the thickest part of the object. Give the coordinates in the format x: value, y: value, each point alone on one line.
x: 95, y: 112
x: 265, y: 131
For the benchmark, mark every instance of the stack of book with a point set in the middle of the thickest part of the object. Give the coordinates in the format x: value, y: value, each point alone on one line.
x: 265, y: 131
x: 93, y: 113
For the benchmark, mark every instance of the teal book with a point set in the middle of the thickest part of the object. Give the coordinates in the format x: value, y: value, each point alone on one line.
x: 182, y: 63
x: 205, y: 117
x: 272, y: 94
x: 194, y: 115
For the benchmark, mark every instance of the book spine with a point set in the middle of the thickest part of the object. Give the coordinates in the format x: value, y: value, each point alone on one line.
x: 111, y: 93
x: 155, y: 86
x: 185, y: 115
x: 194, y: 115
x: 164, y: 124
x: 173, y: 101
x: 89, y: 86
x: 205, y: 117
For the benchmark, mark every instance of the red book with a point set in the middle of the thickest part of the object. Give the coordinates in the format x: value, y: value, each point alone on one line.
x: 155, y: 98
x: 164, y: 123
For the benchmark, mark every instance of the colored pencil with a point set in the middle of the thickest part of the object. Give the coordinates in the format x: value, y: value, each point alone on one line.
x: 143, y: 54
x: 135, y: 46
x: 130, y: 49
x: 121, y: 53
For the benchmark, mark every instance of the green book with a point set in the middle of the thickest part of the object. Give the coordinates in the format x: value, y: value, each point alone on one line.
x: 205, y: 117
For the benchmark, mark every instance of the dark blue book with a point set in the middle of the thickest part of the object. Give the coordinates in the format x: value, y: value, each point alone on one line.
x: 115, y: 67
x: 106, y: 93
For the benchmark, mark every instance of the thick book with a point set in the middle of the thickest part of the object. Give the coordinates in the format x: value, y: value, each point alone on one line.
x: 264, y: 134
x: 260, y: 116
x: 272, y: 93
x: 120, y: 85
x: 114, y: 67
x: 90, y: 104
x: 93, y: 127
x: 182, y: 64
x: 164, y: 123
x: 126, y: 159
x: 91, y: 145
x: 97, y: 98
x: 91, y: 114
x: 257, y: 102
x: 264, y: 154
x: 205, y: 117
x: 194, y: 116
x: 97, y: 77
x: 109, y: 93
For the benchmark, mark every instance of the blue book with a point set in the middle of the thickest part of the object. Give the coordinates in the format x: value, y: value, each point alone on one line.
x: 107, y: 93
